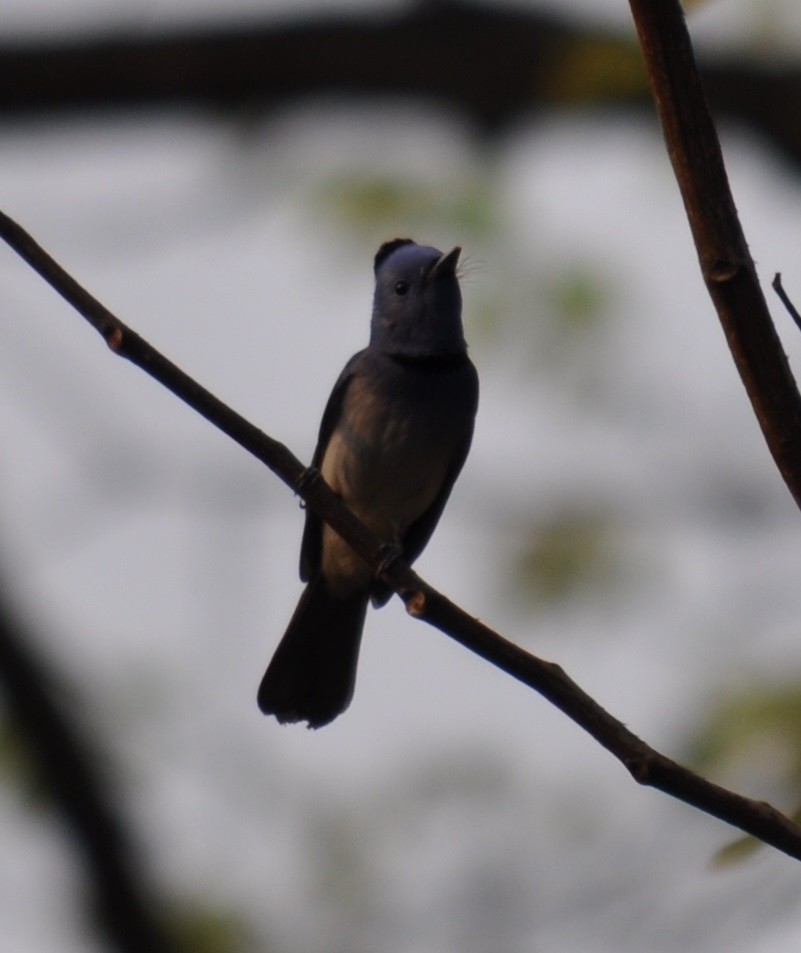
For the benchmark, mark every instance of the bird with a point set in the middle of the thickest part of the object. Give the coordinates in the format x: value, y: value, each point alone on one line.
x: 394, y: 436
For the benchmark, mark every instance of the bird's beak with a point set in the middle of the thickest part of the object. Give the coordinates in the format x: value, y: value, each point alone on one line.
x: 444, y: 265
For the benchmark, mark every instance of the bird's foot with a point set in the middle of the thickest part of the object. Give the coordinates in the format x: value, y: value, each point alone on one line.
x: 305, y: 482
x: 389, y: 553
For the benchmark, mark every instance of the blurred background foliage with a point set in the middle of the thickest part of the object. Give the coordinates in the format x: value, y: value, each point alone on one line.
x: 570, y: 552
x: 751, y: 739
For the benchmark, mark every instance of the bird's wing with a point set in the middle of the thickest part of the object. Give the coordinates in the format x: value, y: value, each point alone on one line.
x: 419, y: 532
x: 311, y: 546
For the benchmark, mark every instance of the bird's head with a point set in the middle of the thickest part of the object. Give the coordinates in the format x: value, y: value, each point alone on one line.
x: 417, y: 309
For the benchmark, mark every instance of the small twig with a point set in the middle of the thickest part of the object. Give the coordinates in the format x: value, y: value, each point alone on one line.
x: 785, y: 300
x: 645, y: 765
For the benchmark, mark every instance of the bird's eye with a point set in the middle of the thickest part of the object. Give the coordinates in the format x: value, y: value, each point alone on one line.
x: 401, y: 287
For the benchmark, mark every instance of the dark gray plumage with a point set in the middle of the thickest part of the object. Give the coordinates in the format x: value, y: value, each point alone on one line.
x: 394, y: 436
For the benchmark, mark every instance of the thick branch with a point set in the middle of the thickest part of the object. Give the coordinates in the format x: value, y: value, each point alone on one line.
x: 66, y: 767
x: 645, y: 764
x: 726, y: 263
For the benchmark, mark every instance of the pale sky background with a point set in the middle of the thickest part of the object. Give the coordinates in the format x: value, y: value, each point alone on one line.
x: 449, y: 809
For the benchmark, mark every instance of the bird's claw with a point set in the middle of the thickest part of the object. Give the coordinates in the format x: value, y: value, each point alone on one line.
x: 389, y: 553
x: 306, y: 481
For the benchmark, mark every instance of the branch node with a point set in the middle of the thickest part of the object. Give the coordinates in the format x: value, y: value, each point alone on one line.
x: 416, y: 603
x: 721, y: 270
x: 115, y: 339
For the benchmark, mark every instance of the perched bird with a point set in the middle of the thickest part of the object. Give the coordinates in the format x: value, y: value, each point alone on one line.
x: 394, y: 436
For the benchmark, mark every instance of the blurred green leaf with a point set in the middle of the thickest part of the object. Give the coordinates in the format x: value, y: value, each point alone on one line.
x: 394, y: 203
x: 570, y: 553
x: 737, y: 851
x: 578, y: 297
x: 593, y: 69
x: 18, y: 766
x: 760, y: 718
x: 741, y: 849
x: 754, y: 731
x: 205, y: 930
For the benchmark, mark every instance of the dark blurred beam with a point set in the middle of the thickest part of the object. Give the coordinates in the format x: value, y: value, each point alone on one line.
x: 494, y: 64
x: 491, y: 62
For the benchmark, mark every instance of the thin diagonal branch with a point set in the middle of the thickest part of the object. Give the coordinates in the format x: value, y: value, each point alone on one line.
x: 646, y: 765
x: 726, y: 263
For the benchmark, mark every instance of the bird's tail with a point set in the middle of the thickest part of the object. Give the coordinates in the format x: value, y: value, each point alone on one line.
x: 313, y: 672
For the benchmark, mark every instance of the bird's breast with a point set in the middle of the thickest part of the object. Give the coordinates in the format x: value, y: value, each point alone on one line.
x: 393, y: 448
